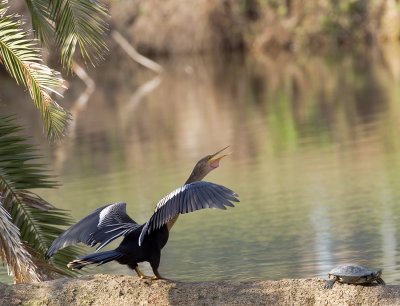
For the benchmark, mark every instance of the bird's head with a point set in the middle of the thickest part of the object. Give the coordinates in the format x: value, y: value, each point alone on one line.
x: 206, y: 165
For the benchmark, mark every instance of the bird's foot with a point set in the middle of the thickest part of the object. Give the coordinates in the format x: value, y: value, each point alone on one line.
x: 141, y: 274
x: 145, y: 277
x: 154, y: 278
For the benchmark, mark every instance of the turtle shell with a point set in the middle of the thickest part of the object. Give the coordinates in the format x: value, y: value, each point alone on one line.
x: 354, y: 274
x: 351, y: 270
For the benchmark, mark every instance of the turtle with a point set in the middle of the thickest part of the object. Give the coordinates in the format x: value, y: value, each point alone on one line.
x: 353, y: 274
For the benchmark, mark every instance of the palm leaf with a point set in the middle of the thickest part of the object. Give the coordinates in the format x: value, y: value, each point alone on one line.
x: 41, y: 22
x: 75, y: 23
x: 37, y: 220
x: 3, y: 7
x: 12, y: 251
x: 79, y: 23
x: 21, y: 58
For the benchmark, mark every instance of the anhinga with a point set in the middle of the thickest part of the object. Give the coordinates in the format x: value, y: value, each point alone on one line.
x: 144, y: 242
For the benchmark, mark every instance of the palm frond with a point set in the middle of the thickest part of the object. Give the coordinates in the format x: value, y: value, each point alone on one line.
x: 37, y: 220
x: 75, y: 23
x: 41, y: 22
x: 22, y: 59
x: 12, y: 252
x: 79, y: 23
x: 3, y: 7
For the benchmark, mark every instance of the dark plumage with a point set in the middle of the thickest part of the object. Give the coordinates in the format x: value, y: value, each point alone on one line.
x: 144, y: 242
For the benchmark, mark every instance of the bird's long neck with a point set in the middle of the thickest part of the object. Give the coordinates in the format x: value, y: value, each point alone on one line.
x: 194, y: 177
x: 189, y: 180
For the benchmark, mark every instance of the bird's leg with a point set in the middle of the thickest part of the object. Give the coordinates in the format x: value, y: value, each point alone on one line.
x: 138, y: 272
x: 154, y: 263
x: 157, y: 275
x: 141, y: 274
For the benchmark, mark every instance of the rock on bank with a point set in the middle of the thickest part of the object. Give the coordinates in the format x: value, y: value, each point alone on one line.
x: 127, y: 290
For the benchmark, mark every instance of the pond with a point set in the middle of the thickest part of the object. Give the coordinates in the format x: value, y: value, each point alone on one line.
x: 315, y: 159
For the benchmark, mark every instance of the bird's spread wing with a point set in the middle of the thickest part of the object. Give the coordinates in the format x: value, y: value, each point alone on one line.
x: 188, y: 198
x: 110, y: 232
x: 101, y: 226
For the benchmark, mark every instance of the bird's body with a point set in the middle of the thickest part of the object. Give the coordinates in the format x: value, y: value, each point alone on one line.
x: 144, y: 242
x: 150, y: 250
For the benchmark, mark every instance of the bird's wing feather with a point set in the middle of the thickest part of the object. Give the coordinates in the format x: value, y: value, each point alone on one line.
x: 111, y: 232
x: 188, y: 198
x: 94, y: 228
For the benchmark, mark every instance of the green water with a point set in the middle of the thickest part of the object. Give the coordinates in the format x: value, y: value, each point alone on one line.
x: 315, y: 159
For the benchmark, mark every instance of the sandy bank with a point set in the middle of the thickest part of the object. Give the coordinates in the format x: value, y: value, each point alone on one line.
x: 126, y: 290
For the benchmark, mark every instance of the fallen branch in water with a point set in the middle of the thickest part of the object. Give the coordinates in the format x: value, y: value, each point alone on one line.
x: 136, y: 56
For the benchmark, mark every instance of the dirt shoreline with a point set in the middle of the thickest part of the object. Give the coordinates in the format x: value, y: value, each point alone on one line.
x: 117, y: 290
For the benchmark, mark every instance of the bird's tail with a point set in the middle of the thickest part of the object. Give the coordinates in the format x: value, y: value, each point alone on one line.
x: 95, y: 258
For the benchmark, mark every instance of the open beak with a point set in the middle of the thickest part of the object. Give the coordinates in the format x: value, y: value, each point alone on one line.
x: 216, y: 157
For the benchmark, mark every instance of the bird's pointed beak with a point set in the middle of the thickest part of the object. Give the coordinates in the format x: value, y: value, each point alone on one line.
x: 216, y: 157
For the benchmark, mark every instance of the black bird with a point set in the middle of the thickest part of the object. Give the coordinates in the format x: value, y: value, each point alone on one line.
x: 144, y: 242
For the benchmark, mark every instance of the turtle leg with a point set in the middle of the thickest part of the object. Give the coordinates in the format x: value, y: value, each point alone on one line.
x: 329, y: 283
x: 380, y: 281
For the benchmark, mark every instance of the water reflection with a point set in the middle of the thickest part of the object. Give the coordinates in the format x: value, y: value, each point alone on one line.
x: 316, y: 159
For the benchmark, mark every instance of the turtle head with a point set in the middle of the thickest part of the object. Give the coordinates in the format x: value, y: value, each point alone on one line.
x: 378, y: 273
